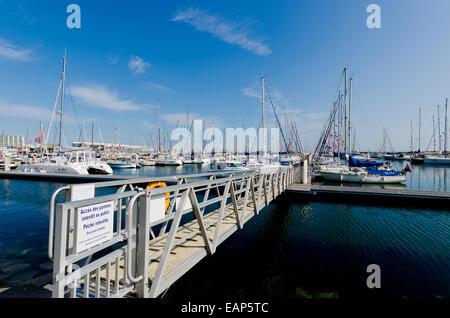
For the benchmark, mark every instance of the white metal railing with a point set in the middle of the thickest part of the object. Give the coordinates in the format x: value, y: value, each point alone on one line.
x: 136, y: 258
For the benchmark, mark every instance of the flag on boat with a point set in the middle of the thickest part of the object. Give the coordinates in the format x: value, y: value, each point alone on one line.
x: 41, y: 135
x: 408, y: 169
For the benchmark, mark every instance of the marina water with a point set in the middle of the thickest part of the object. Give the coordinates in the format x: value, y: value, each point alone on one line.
x: 292, y: 249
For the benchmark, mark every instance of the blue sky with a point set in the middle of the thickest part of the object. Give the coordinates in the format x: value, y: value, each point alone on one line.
x: 208, y: 56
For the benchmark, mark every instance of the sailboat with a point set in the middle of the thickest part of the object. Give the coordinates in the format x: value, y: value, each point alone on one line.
x: 168, y: 161
x: 264, y: 163
x: 444, y: 159
x: 348, y: 168
x: 63, y: 161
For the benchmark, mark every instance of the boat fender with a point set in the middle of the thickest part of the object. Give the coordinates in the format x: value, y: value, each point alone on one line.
x: 159, y: 184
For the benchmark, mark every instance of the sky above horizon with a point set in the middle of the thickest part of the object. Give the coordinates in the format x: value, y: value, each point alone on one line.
x: 207, y: 57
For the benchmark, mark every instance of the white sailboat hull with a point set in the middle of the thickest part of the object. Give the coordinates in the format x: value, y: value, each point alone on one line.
x: 169, y: 162
x: 53, y: 168
x: 122, y: 165
x: 437, y: 161
x: 193, y: 161
x: 361, y: 178
x: 147, y: 163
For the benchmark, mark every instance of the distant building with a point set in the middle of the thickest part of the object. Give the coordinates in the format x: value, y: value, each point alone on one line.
x: 9, y: 141
x: 111, y: 147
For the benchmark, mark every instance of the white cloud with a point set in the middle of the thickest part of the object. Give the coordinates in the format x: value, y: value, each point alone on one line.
x: 156, y: 87
x: 13, y: 110
x: 24, y: 111
x: 137, y: 65
x: 229, y: 32
x: 24, y: 14
x: 13, y: 52
x: 101, y: 96
x: 147, y: 124
x: 277, y: 96
x: 256, y: 92
x: 113, y: 58
x: 252, y: 92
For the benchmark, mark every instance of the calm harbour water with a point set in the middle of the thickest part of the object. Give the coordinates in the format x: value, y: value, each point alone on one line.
x: 292, y: 249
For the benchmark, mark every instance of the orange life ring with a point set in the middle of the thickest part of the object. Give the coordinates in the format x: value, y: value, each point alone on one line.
x: 158, y: 184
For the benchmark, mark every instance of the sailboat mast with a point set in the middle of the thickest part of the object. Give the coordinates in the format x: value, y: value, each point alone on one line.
x: 63, y: 79
x: 411, y: 136
x: 115, y: 138
x: 334, y: 127
x: 262, y: 102
x: 41, y: 135
x: 349, y: 117
x: 101, y: 138
x: 434, y: 136
x: 157, y: 127
x: 354, y: 138
x: 340, y: 126
x: 439, y: 127
x: 445, y: 134
x: 345, y: 112
x: 420, y: 125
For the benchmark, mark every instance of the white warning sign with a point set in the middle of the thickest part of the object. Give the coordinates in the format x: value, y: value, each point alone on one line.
x: 94, y: 225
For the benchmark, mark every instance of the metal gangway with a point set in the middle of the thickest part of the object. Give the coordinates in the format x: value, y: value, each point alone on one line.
x: 149, y: 237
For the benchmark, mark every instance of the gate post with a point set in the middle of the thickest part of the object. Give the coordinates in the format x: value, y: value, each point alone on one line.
x: 59, y: 267
x: 305, y: 172
x: 142, y: 242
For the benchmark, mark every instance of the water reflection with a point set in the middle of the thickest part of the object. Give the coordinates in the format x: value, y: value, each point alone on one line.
x: 429, y: 177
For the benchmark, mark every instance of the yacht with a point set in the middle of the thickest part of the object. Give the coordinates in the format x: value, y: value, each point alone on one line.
x: 361, y: 172
x: 62, y: 163
x: 147, y: 162
x: 94, y: 164
x: 168, y: 161
x: 436, y: 160
x: 359, y: 175
x: 195, y: 160
x: 227, y: 165
x: 122, y: 164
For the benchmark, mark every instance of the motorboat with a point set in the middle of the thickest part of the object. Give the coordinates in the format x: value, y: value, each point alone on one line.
x: 147, y: 162
x: 168, y: 161
x: 227, y: 165
x: 122, y: 164
x: 192, y: 160
x: 62, y: 163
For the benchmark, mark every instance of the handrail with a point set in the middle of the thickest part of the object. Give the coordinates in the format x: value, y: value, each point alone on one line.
x: 129, y: 215
x: 51, y: 221
x: 144, y: 179
x: 123, y: 184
